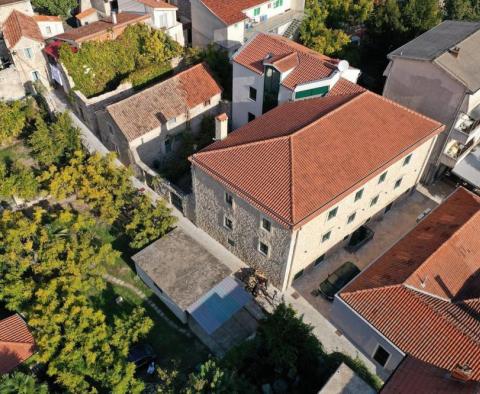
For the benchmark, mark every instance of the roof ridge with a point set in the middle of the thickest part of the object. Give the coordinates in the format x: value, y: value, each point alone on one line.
x: 292, y: 216
x: 371, y: 289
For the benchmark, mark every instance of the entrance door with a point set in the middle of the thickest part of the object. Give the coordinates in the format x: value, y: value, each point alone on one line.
x: 388, y: 207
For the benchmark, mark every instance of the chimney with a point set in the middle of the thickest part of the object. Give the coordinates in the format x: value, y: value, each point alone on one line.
x: 462, y: 372
x: 221, y: 126
x: 455, y: 51
x: 114, y: 17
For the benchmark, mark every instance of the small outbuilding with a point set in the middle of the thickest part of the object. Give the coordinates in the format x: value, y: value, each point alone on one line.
x: 198, y: 289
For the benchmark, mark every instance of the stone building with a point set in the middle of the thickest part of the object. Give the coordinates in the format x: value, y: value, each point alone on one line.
x: 421, y: 299
x: 270, y: 70
x: 438, y: 75
x: 7, y: 6
x: 147, y: 126
x: 290, y: 186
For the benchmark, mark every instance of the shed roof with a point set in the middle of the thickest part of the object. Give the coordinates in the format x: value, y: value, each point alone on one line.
x: 182, y: 268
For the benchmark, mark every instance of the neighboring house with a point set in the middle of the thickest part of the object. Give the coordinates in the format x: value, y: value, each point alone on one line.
x: 285, y: 189
x: 49, y: 25
x: 415, y: 376
x: 163, y: 16
x: 16, y: 343
x: 230, y: 24
x: 105, y: 29
x: 422, y: 297
x: 438, y: 74
x: 104, y: 8
x: 147, y: 126
x: 199, y: 289
x: 7, y: 6
x: 24, y: 43
x: 270, y: 70
x: 87, y: 16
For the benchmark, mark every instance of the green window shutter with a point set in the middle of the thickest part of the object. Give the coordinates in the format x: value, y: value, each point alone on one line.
x: 256, y: 11
x: 321, y: 91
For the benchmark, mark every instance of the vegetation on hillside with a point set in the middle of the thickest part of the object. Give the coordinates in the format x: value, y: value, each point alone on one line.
x: 140, y: 55
x: 62, y: 8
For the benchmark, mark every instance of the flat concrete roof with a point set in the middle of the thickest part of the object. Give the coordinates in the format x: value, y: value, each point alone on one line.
x: 345, y: 381
x: 469, y: 168
x: 182, y: 268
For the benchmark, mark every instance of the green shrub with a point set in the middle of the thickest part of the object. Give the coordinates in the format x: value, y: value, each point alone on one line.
x: 149, y: 75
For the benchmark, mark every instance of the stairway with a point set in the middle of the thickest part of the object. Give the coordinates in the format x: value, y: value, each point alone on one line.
x: 292, y: 30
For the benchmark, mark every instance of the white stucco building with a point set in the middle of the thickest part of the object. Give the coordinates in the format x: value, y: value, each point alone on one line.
x: 7, y: 6
x: 163, y: 16
x: 438, y: 74
x: 270, y: 70
x: 230, y: 24
x: 147, y: 126
x: 49, y: 25
x: 421, y: 300
x: 289, y: 187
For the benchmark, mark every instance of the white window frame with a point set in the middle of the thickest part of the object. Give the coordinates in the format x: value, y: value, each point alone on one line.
x: 226, y: 201
x: 261, y: 224
x: 48, y: 29
x: 375, y: 351
x: 361, y: 191
x: 260, y: 250
x: 407, y: 160
x: 395, y: 187
x: 225, y: 218
x: 380, y: 180
x: 36, y: 73
x: 334, y: 216
x: 377, y: 197
x: 28, y: 52
x: 329, y: 232
x: 354, y: 214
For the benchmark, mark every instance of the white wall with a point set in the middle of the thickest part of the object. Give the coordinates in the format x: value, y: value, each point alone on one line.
x: 50, y: 28
x: 365, y: 337
x: 243, y: 78
x: 26, y: 66
x: 22, y: 6
x: 267, y: 9
x: 204, y: 24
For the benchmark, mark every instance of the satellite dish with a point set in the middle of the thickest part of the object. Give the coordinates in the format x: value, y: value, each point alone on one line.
x: 342, y: 66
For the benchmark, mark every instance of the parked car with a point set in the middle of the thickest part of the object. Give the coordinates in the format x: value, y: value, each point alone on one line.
x: 141, y: 354
x: 336, y: 280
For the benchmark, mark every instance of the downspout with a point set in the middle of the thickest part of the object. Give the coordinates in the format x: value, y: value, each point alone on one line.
x: 291, y: 255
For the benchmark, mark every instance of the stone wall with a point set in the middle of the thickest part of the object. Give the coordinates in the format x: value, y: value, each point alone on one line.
x: 210, y: 210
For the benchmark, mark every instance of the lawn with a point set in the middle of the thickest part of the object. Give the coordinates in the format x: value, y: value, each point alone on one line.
x: 169, y: 344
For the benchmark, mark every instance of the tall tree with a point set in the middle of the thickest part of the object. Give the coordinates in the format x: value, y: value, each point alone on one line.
x: 21, y: 383
x: 420, y: 16
x: 61, y: 8
x: 342, y: 13
x: 462, y: 9
x: 12, y: 120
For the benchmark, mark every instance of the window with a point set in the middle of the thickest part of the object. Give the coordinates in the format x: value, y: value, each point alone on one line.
x: 35, y: 75
x: 358, y: 195
x: 256, y: 11
x: 252, y: 94
x: 381, y: 356
x: 228, y: 223
x: 231, y: 242
x: 298, y: 274
x: 168, y: 145
x: 266, y: 225
x: 398, y: 183
x: 326, y: 236
x: 28, y: 53
x: 382, y: 177
x: 351, y: 218
x: 263, y: 248
x: 229, y: 199
x: 332, y: 213
x: 319, y: 260
x: 374, y: 200
x: 277, y: 3
x: 407, y: 160
x: 48, y: 29
x: 206, y: 103
x: 251, y: 116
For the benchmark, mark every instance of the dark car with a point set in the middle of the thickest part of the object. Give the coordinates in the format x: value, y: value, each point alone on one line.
x: 336, y: 280
x: 141, y: 354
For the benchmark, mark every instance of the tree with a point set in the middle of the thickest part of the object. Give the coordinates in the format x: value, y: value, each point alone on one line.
x: 420, y: 16
x: 50, y: 266
x: 316, y: 35
x: 12, y: 120
x: 61, y: 8
x: 343, y: 13
x: 462, y: 10
x: 16, y: 180
x: 21, y: 383
x: 147, y: 222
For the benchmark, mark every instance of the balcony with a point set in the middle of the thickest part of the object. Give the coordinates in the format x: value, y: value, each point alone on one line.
x: 454, y: 152
x: 465, y: 129
x: 272, y: 24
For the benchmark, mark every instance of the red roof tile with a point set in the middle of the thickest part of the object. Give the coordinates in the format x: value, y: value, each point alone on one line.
x: 424, y: 293
x: 16, y: 343
x: 47, y: 18
x: 158, y: 4
x: 87, y: 12
x: 147, y: 110
x: 284, y: 161
x: 311, y: 65
x: 415, y: 376
x: 231, y: 11
x: 19, y: 25
x: 98, y: 28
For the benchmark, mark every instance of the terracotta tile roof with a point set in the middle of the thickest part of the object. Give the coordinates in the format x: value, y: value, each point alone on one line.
x: 19, y: 25
x: 415, y: 376
x: 158, y: 4
x: 284, y: 62
x: 147, y: 110
x: 87, y: 12
x: 424, y: 293
x: 297, y: 160
x: 94, y: 29
x: 231, y: 11
x: 16, y: 343
x: 47, y: 18
x: 311, y: 66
